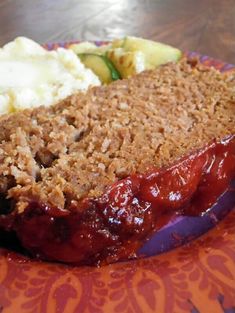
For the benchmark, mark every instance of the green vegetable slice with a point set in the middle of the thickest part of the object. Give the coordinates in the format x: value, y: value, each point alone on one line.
x: 101, y: 66
x: 156, y: 53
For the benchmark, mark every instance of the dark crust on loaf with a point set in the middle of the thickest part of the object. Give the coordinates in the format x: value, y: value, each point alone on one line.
x: 86, y: 142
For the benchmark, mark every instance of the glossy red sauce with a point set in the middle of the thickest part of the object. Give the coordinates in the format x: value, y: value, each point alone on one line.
x: 114, y: 226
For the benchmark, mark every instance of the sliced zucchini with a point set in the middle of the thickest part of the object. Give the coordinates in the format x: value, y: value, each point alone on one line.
x: 155, y: 53
x: 103, y: 48
x: 128, y: 63
x: 101, y: 66
x: 83, y: 47
x: 118, y: 43
x: 88, y: 47
x: 127, y: 56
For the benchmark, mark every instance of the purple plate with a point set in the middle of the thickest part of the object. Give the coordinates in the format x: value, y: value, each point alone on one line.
x: 183, y: 229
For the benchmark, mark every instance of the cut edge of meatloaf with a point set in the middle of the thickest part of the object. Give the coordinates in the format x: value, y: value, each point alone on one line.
x: 88, y: 141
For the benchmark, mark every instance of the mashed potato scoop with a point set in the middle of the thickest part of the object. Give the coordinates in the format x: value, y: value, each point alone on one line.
x: 31, y: 76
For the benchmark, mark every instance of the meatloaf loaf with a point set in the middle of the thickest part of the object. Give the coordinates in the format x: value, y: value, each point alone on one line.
x: 87, y: 180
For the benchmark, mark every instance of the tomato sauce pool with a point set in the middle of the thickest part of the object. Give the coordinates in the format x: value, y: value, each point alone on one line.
x: 114, y: 226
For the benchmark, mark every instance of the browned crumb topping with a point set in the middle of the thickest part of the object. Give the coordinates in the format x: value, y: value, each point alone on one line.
x: 86, y: 142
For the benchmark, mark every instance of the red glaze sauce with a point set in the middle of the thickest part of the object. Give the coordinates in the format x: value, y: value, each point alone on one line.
x: 114, y: 226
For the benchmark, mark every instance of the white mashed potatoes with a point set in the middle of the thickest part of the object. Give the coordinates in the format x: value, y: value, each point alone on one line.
x: 31, y: 76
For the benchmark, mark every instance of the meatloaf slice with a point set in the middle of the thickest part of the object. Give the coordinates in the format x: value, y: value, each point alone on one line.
x: 58, y: 164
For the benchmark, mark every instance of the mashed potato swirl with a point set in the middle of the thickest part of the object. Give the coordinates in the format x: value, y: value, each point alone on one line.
x: 31, y: 76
